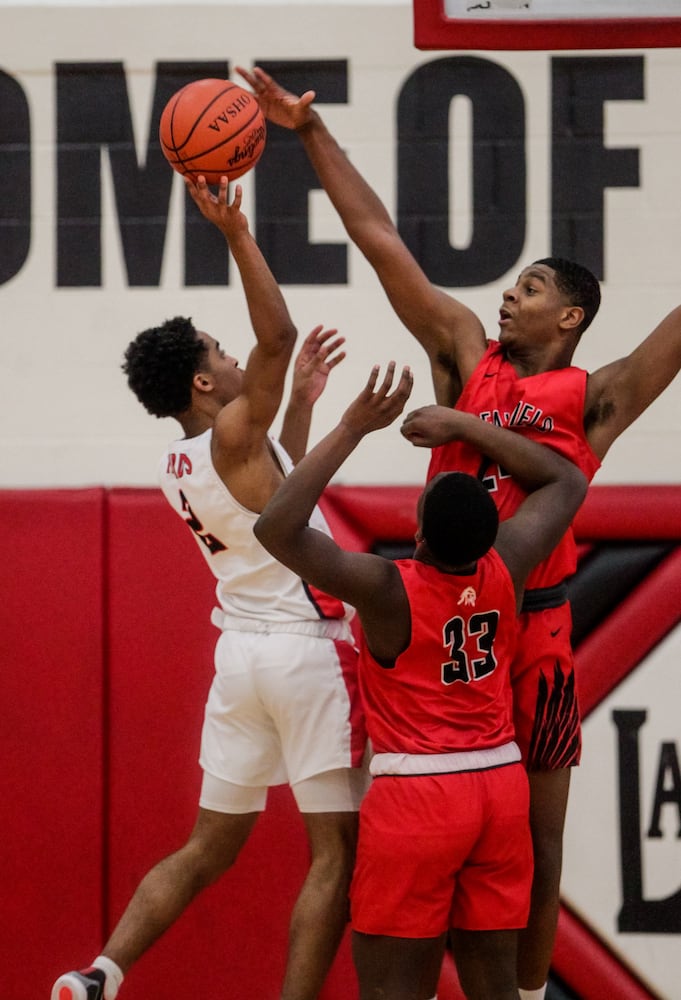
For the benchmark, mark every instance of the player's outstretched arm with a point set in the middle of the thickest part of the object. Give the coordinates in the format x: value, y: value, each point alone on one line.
x: 252, y: 413
x: 618, y: 393
x: 450, y: 333
x: 282, y: 528
x: 530, y: 464
x: 555, y: 486
x: 319, y: 354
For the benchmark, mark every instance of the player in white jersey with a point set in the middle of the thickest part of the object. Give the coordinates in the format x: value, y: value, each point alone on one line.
x: 283, y: 706
x: 251, y: 584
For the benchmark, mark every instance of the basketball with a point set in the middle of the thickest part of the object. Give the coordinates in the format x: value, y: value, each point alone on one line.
x: 214, y: 128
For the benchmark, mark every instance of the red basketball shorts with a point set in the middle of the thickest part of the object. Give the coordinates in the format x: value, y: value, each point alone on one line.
x: 441, y: 851
x: 545, y: 706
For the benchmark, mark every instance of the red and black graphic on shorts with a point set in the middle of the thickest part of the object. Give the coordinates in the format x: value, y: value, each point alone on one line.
x: 556, y: 735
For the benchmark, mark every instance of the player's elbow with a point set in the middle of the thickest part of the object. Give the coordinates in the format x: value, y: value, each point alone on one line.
x: 264, y: 530
x: 286, y: 336
x: 575, y: 488
x: 273, y: 537
x: 279, y: 341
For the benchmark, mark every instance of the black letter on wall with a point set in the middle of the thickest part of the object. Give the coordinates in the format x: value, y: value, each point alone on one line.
x: 93, y: 113
x: 582, y: 166
x: 637, y: 915
x: 667, y: 788
x: 499, y: 196
x: 284, y: 178
x: 15, y: 169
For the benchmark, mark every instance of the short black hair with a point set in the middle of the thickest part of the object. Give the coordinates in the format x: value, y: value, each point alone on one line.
x: 160, y: 364
x: 580, y: 286
x: 459, y: 520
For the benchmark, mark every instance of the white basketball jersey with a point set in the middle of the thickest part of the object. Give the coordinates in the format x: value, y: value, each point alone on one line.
x: 251, y: 583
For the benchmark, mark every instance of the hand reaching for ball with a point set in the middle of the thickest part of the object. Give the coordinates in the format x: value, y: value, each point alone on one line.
x: 279, y: 105
x: 217, y: 208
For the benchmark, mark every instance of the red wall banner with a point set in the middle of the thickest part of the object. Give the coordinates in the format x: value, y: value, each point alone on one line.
x: 107, y: 658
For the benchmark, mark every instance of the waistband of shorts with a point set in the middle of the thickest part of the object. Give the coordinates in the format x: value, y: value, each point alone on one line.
x: 541, y: 598
x: 444, y: 763
x: 325, y: 628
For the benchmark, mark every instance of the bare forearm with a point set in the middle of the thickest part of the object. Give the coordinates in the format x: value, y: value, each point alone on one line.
x: 450, y: 333
x: 267, y: 308
x: 288, y: 512
x: 295, y: 429
x: 531, y: 464
x: 354, y: 200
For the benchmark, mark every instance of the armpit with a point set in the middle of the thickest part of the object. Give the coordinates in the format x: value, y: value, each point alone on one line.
x: 601, y: 412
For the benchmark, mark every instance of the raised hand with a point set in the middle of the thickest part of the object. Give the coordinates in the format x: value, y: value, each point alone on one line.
x: 278, y: 105
x: 227, y: 216
x: 319, y: 354
x: 375, y: 408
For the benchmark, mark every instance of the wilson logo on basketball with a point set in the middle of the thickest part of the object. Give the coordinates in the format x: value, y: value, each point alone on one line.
x: 249, y: 148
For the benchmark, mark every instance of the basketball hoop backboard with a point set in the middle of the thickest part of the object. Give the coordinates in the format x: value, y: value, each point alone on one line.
x: 546, y: 24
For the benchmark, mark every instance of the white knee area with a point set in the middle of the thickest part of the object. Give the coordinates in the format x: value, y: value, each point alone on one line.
x: 341, y: 790
x: 533, y: 994
x: 222, y: 796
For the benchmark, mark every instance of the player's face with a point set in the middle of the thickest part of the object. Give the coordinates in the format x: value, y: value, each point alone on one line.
x: 224, y: 369
x: 532, y: 309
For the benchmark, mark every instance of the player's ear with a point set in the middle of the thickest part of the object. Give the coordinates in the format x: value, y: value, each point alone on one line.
x: 572, y: 318
x: 202, y: 382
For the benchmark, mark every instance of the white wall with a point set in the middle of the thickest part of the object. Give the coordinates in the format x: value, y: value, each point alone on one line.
x: 66, y: 415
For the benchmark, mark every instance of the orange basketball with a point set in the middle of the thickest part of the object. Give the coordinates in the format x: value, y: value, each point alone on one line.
x: 214, y: 128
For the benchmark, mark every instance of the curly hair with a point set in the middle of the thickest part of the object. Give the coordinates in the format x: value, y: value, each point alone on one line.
x: 160, y: 364
x: 578, y: 284
x: 459, y: 519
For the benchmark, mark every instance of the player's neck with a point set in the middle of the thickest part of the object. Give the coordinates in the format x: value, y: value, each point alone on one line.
x: 195, y: 422
x: 201, y: 415
x: 423, y: 554
x: 536, y: 360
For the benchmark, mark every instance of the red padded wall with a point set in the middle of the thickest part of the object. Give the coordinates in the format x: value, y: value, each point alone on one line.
x: 161, y: 644
x: 107, y: 655
x: 51, y: 738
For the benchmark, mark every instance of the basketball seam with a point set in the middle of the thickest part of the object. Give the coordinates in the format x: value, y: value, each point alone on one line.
x: 217, y: 97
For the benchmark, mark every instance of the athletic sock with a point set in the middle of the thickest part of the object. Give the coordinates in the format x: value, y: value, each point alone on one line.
x: 113, y: 973
x: 533, y: 994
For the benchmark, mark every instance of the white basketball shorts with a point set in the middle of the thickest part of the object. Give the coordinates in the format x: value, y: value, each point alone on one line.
x: 282, y: 708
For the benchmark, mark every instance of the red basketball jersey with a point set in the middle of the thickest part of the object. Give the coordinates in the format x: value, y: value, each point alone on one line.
x: 549, y: 408
x: 450, y: 690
